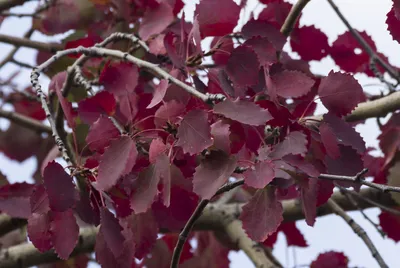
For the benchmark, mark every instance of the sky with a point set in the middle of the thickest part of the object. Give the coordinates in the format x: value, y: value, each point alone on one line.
x: 329, y: 232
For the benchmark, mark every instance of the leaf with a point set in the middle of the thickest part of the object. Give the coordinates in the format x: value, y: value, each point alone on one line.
x: 117, y: 160
x: 59, y: 187
x: 308, y: 194
x: 242, y: 66
x: 25, y: 106
x: 293, y: 235
x: 111, y: 230
x: 345, y: 133
x: 157, y: 148
x: 294, y: 143
x: 301, y: 163
x: 159, y: 93
x: 56, y: 84
x: 156, y: 20
x: 262, y: 215
x: 291, y: 84
x: 90, y: 109
x: 214, y: 23
x: 39, y: 231
x: 221, y: 56
x: 330, y: 259
x: 194, y: 133
x: 168, y: 113
x: 220, y: 132
x: 266, y: 29
x: 265, y: 50
x: 15, y: 199
x: 260, y: 175
x: 337, y: 87
x: 39, y: 200
x: 390, y: 225
x: 212, y: 173
x: 245, y: 112
x: 119, y: 78
x: 305, y: 37
x: 64, y: 233
x: 392, y: 22
x: 101, y: 133
x: 329, y: 141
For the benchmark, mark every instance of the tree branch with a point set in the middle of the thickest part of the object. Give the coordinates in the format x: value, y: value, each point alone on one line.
x: 291, y: 19
x: 359, y: 231
x: 25, y: 121
x: 7, y: 4
x: 24, y: 42
x: 11, y: 54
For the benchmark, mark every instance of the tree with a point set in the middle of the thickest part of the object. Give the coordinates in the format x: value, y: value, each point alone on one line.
x: 157, y: 141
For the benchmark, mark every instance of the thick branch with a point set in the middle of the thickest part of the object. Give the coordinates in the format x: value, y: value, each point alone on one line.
x: 24, y: 42
x: 7, y: 4
x: 25, y: 121
x: 359, y: 231
x: 291, y: 19
x: 11, y: 54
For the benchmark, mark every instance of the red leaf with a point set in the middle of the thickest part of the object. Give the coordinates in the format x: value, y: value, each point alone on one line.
x: 119, y: 78
x: 337, y: 87
x: 101, y: 133
x: 90, y: 109
x: 264, y: 29
x: 390, y: 224
x: 27, y: 107
x: 194, y: 132
x: 59, y: 187
x: 348, y: 164
x: 293, y: 235
x: 214, y: 23
x: 276, y: 13
x: 265, y: 50
x: 220, y: 132
x: 117, y: 160
x: 39, y: 231
x: 260, y: 175
x: 294, y: 143
x: 221, y: 55
x: 156, y: 20
x: 88, y: 41
x: 111, y: 230
x: 242, y: 66
x: 157, y: 148
x: 168, y: 113
x: 346, y: 134
x: 302, y: 39
x: 262, y: 215
x: 300, y: 163
x: 39, y: 200
x: 329, y: 140
x: 308, y: 194
x: 330, y: 259
x: 291, y: 84
x: 392, y: 23
x: 159, y: 93
x: 212, y: 173
x: 64, y: 233
x: 14, y: 199
x: 56, y: 84
x: 144, y: 229
x: 245, y: 112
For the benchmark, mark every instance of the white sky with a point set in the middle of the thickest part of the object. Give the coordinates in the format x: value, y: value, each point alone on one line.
x: 330, y: 232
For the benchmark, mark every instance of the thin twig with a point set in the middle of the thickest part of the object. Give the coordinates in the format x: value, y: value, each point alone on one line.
x: 24, y: 42
x: 190, y: 223
x: 364, y: 44
x: 11, y: 54
x: 359, y: 231
x: 7, y: 4
x: 291, y: 19
x: 19, y: 15
x: 25, y: 121
x: 21, y: 64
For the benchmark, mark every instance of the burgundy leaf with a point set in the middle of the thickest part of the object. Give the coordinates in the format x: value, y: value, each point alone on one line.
x: 39, y: 231
x: 90, y: 109
x: 293, y: 235
x: 337, y: 87
x: 390, y: 225
x: 262, y: 215
x: 265, y: 50
x: 119, y: 78
x: 214, y: 23
x: 330, y: 259
x: 260, y: 175
x: 212, y: 173
x: 168, y: 113
x: 117, y: 160
x: 220, y: 132
x: 39, y: 200
x: 392, y: 22
x: 194, y: 132
x: 15, y: 199
x: 59, y: 187
x: 157, y: 147
x: 156, y: 20
x: 242, y: 66
x: 263, y: 28
x: 111, y: 230
x: 308, y: 194
x: 159, y: 93
x: 294, y: 143
x: 301, y: 163
x: 101, y: 133
x: 291, y: 84
x: 245, y: 112
x: 305, y: 37
x: 64, y: 233
x: 221, y: 55
x: 329, y: 140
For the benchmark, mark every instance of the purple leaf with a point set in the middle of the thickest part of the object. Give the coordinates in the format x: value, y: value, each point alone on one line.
x: 64, y: 233
x: 260, y: 175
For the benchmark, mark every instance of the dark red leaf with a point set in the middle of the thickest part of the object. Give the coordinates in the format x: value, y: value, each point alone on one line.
x: 308, y: 194
x: 90, y: 109
x: 159, y: 93
x: 220, y: 132
x: 337, y: 87
x: 26, y: 106
x: 305, y: 37
x: 262, y: 215
x: 87, y: 41
x: 39, y: 231
x: 59, y: 187
x: 294, y: 143
x: 212, y: 173
x: 156, y: 20
x: 64, y: 233
x: 264, y: 29
x: 245, y: 112
x: 119, y: 78
x: 293, y: 235
x: 168, y: 113
x: 214, y: 23
x: 390, y: 225
x: 330, y: 259
x: 291, y: 84
x: 301, y: 163
x: 276, y: 13
x: 56, y: 84
x: 39, y: 200
x: 242, y: 66
x: 100, y: 134
x: 329, y: 140
x: 15, y: 199
x: 117, y: 160
x: 392, y: 22
x: 111, y: 230
x: 157, y: 147
x: 265, y: 50
x: 260, y: 175
x: 221, y: 55
x: 194, y: 132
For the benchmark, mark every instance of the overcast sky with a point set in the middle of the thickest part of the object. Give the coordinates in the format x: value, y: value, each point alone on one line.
x: 330, y: 232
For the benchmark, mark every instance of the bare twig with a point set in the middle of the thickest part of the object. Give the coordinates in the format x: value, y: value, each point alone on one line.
x: 21, y: 64
x: 359, y: 231
x: 19, y: 15
x: 11, y: 54
x: 25, y: 121
x: 291, y: 19
x: 364, y: 44
x: 7, y: 4
x: 24, y: 42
